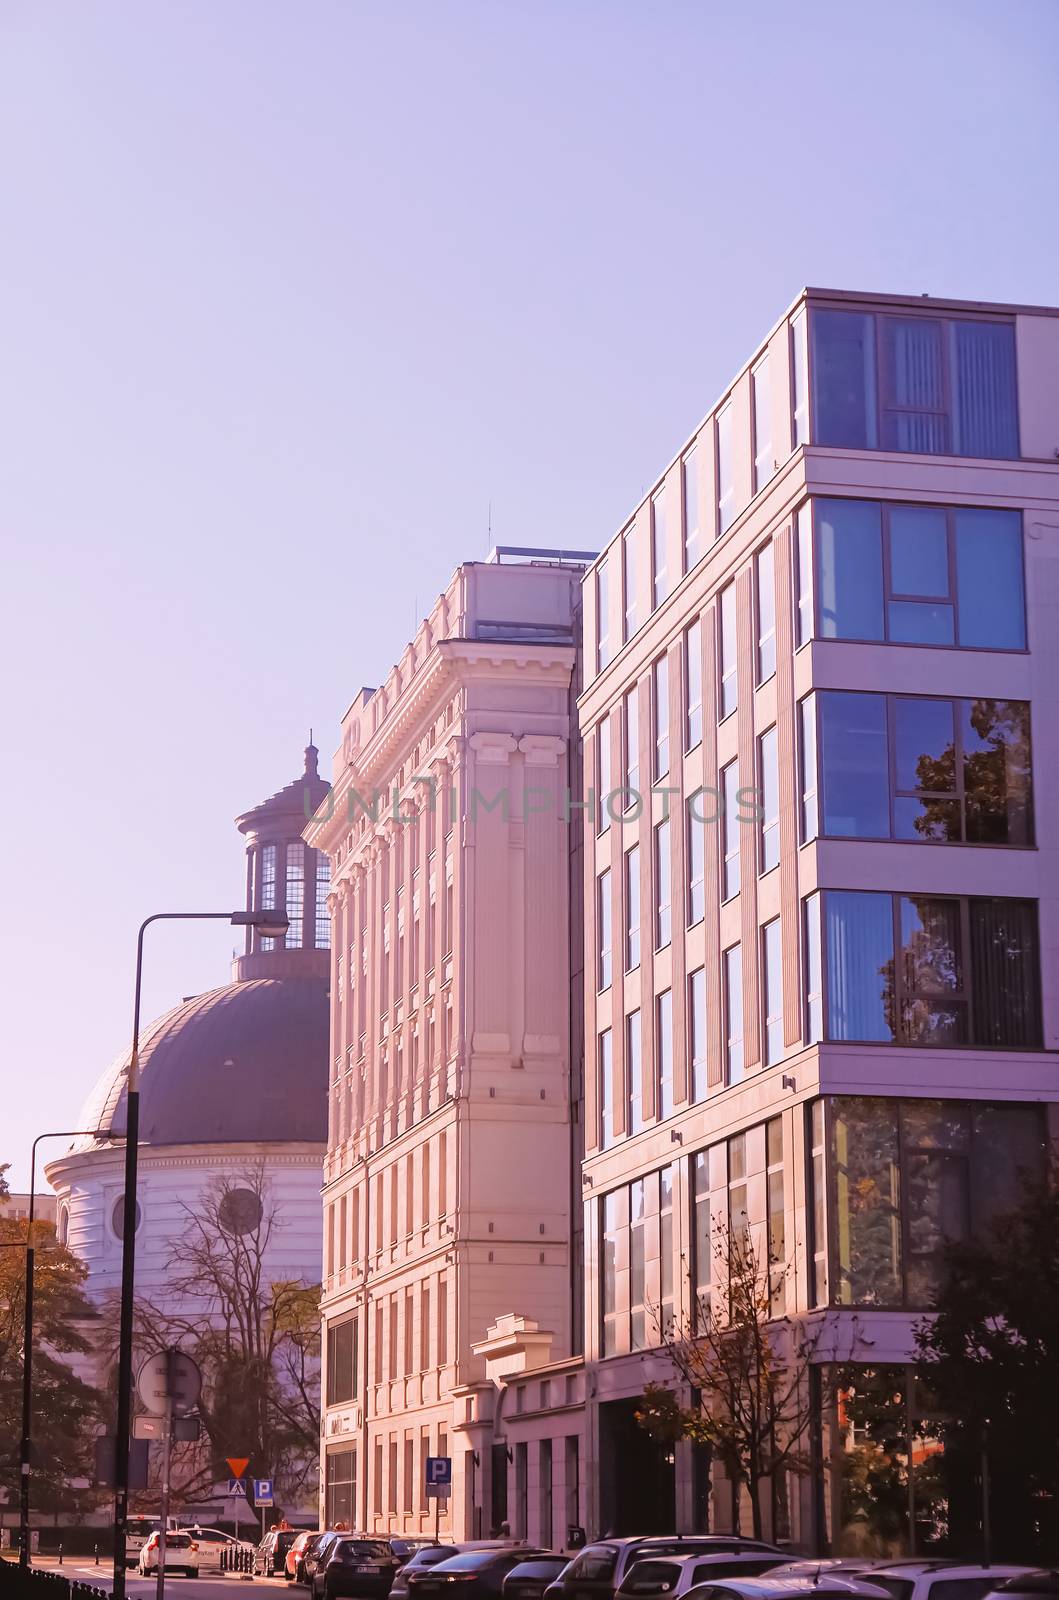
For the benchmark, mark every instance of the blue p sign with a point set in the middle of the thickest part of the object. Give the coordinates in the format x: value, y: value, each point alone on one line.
x: 439, y: 1477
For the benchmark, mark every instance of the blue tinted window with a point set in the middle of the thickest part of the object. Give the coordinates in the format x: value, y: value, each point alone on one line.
x: 844, y: 379
x: 860, y: 965
x: 914, y: 416
x: 924, y: 745
x: 853, y: 762
x: 989, y: 579
x: 919, y: 551
x: 986, y: 410
x: 920, y: 622
x: 849, y: 569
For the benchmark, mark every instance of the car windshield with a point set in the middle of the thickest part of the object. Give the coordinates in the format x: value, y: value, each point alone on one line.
x: 369, y: 1549
x: 595, y: 1565
x: 900, y: 1588
x: 473, y: 1560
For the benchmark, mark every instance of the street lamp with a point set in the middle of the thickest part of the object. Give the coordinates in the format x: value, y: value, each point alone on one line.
x: 27, y: 1345
x: 274, y: 924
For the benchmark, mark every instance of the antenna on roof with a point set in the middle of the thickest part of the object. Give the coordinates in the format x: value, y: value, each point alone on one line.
x: 489, y: 525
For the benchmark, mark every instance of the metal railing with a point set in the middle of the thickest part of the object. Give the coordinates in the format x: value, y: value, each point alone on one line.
x: 29, y: 1583
x: 235, y: 1561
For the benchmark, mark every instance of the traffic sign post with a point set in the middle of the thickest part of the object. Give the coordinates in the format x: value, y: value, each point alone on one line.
x: 438, y: 1485
x: 263, y: 1498
x: 237, y: 1465
x: 169, y: 1385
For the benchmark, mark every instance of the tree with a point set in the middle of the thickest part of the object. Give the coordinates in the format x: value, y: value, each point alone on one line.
x: 66, y: 1409
x: 257, y: 1342
x: 990, y: 1354
x: 748, y: 1371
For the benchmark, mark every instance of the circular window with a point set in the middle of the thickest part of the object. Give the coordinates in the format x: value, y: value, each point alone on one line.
x: 63, y: 1229
x: 240, y: 1211
x: 117, y: 1216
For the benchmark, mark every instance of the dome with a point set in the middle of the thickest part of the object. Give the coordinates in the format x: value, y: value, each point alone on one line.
x: 242, y: 1064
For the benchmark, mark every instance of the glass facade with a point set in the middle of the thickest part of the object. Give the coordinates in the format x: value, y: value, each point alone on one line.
x: 935, y: 385
x: 912, y: 767
x: 928, y: 970
x: 926, y: 575
x: 906, y: 1177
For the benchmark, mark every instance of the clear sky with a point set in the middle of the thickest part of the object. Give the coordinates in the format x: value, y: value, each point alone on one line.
x: 290, y: 293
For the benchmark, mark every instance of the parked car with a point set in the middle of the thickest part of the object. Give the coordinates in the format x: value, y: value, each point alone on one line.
x: 429, y: 1556
x: 137, y: 1532
x: 181, y: 1554
x: 529, y: 1579
x: 212, y: 1543
x: 940, y: 1580
x: 597, y: 1571
x: 1042, y: 1584
x: 315, y: 1553
x: 675, y: 1575
x: 822, y: 1587
x: 270, y: 1557
x: 292, y: 1562
x: 472, y: 1574
x: 404, y: 1547
x: 354, y: 1565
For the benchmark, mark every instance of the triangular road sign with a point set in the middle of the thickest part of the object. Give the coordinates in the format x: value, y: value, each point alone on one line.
x: 238, y: 1465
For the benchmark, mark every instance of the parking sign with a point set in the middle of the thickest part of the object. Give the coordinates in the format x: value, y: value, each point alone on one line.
x: 263, y: 1492
x: 439, y: 1477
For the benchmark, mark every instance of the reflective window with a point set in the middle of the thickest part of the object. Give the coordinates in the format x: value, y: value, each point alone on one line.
x: 696, y: 864
x: 803, y: 574
x: 765, y: 588
x: 628, y: 570
x: 772, y: 971
x: 732, y: 825
x: 930, y: 970
x: 295, y: 893
x: 603, y: 648
x: 603, y: 923
x: 664, y: 1053
x: 935, y: 385
x: 659, y: 558
x: 603, y: 775
x: 910, y: 767
x: 725, y: 469
x: 910, y: 1177
x: 799, y: 382
x: 764, y: 454
x: 638, y: 1256
x: 733, y: 1013
x: 633, y: 1073
x: 631, y: 746
x: 917, y: 574
x: 693, y: 686
x: 606, y: 1090
x: 660, y: 681
x: 729, y: 681
x: 697, y: 1033
x: 769, y: 779
x: 632, y: 908
x: 663, y: 887
x: 323, y: 916
x: 690, y: 502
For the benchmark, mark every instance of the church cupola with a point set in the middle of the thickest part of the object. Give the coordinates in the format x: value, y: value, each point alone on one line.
x: 282, y: 871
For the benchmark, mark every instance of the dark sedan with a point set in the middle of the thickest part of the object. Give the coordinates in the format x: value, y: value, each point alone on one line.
x: 352, y: 1566
x: 529, y: 1579
x: 431, y: 1555
x: 472, y: 1575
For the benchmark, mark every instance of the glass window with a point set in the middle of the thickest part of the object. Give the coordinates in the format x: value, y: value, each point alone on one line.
x: 849, y: 569
x: 810, y: 818
x: 632, y: 908
x: 864, y: 1161
x: 603, y: 775
x: 660, y: 679
x: 697, y: 1033
x: 628, y: 570
x: 844, y: 379
x: 985, y: 416
x: 702, y: 1236
x: 803, y: 557
x: 664, y: 1041
x: 323, y: 916
x: 765, y: 585
x: 634, y: 1073
x: 690, y: 499
x: 606, y: 1090
x: 341, y: 1360
x: 853, y: 764
x: 914, y: 414
x: 615, y: 1253
x: 768, y: 763
x: 631, y: 742
x: 989, y: 581
x: 659, y: 571
x: 603, y: 650
x: 818, y: 1201
x: 638, y: 1198
x: 693, y: 686
x: 733, y: 1013
x: 725, y: 469
x: 1005, y: 972
x: 996, y: 764
x: 603, y: 923
x: 696, y: 864
x: 729, y: 679
x: 799, y: 382
x: 764, y: 464
x: 730, y: 790
x: 776, y: 1219
x: 772, y: 966
x: 860, y: 965
x: 295, y: 894
x: 663, y: 887
x: 814, y: 982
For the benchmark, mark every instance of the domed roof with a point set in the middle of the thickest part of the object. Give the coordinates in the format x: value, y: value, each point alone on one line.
x: 242, y: 1064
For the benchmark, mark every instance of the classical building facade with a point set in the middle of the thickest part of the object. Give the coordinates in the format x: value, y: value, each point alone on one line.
x: 232, y: 1099
x: 452, y: 1251
x: 822, y: 905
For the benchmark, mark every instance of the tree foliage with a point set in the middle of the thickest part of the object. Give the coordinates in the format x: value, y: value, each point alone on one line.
x: 66, y: 1409
x: 990, y: 1354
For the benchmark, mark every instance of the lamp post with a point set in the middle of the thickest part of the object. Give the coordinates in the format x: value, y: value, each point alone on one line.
x: 27, y: 1346
x: 274, y: 923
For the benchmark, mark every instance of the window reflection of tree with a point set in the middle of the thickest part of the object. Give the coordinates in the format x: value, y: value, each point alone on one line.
x: 994, y: 737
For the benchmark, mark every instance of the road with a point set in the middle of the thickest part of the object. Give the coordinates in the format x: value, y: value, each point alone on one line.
x: 81, y: 1569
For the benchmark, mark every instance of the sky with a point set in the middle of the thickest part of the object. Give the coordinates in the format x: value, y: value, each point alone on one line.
x: 292, y: 295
